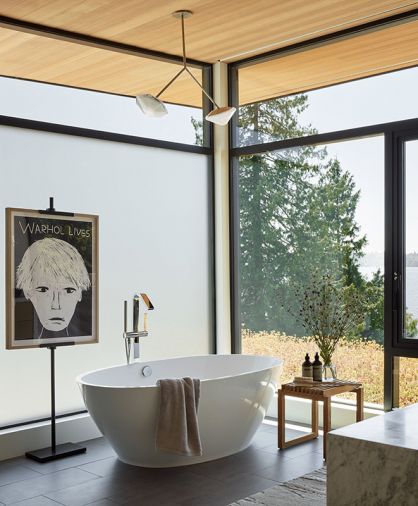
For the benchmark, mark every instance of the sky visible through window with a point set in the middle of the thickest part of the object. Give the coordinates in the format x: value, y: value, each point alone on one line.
x: 381, y: 99
x: 411, y: 196
x: 364, y: 160
x: 89, y: 109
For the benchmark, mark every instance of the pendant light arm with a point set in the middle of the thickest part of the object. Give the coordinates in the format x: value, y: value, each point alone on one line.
x: 152, y: 106
x: 201, y: 87
x: 183, y: 38
x: 172, y: 81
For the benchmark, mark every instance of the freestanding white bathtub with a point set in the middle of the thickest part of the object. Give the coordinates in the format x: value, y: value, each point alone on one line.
x: 236, y: 391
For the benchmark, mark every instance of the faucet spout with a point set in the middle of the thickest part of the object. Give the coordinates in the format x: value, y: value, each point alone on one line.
x: 132, y: 341
x: 136, y: 349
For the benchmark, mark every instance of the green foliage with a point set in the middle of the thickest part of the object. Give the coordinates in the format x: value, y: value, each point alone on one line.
x: 297, y: 214
x: 297, y: 217
x: 198, y: 131
x: 328, y: 310
x: 272, y: 120
x: 411, y: 325
x: 373, y: 326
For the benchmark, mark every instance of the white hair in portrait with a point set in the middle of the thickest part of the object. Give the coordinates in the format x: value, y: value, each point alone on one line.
x: 52, y: 259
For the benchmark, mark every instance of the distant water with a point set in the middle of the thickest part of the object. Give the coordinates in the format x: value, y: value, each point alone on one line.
x: 368, y: 270
x: 411, y: 285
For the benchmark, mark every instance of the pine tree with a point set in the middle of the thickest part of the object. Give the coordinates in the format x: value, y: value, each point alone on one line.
x: 297, y: 215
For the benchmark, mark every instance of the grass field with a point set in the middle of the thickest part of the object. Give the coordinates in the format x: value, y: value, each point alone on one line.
x: 355, y: 360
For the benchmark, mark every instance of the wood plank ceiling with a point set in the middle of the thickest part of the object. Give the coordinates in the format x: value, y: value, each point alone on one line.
x: 219, y: 30
x: 361, y: 56
x: 54, y: 61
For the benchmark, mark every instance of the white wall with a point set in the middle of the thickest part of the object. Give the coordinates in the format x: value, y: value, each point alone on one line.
x: 154, y: 237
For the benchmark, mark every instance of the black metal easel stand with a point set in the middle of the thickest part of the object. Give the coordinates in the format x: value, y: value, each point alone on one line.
x: 55, y: 451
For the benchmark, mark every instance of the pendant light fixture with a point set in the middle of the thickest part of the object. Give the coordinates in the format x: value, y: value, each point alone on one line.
x: 152, y: 106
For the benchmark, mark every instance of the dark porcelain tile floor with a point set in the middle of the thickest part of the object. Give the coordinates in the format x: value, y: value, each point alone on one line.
x: 98, y: 478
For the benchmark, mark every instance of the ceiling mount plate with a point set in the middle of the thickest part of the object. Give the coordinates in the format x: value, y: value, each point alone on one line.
x: 184, y: 13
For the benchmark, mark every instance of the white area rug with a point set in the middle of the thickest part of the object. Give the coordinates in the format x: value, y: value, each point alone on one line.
x: 306, y: 490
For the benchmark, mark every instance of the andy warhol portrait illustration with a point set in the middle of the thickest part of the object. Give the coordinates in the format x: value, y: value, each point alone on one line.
x: 51, y: 278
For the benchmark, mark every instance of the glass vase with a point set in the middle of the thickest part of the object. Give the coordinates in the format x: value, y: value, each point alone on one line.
x: 329, y: 372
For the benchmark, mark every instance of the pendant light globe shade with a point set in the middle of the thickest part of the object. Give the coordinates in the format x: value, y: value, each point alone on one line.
x: 151, y: 106
x: 221, y: 115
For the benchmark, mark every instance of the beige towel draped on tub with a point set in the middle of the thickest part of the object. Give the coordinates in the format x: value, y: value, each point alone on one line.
x: 177, y: 427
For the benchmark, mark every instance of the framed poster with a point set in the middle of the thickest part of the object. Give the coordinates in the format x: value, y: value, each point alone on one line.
x: 51, y: 278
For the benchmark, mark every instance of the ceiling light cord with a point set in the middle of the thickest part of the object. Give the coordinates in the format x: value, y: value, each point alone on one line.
x: 183, y: 38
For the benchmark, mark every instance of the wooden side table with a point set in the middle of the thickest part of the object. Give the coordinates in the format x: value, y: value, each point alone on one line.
x: 319, y: 391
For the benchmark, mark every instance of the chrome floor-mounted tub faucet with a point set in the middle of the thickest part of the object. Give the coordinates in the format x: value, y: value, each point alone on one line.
x: 132, y: 338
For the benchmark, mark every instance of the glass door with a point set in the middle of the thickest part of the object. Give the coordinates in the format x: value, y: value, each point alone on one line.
x: 403, y: 252
x: 401, y: 347
x: 409, y: 154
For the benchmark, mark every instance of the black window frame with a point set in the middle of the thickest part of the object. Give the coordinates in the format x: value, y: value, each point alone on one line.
x: 395, y: 133
x: 399, y: 292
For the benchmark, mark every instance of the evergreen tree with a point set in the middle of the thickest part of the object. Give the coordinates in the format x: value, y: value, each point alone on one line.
x: 297, y: 215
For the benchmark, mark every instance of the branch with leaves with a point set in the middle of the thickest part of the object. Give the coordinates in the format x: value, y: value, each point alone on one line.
x: 328, y: 311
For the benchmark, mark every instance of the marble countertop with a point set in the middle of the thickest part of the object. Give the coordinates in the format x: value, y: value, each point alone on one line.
x: 397, y: 428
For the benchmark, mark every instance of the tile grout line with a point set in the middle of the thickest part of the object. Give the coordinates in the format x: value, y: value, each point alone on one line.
x: 302, y: 454
x: 18, y: 481
x: 43, y: 493
x: 46, y: 497
x: 76, y: 466
x: 257, y: 452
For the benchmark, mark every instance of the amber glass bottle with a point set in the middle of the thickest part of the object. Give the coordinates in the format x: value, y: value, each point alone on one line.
x: 317, y: 368
x: 307, y: 367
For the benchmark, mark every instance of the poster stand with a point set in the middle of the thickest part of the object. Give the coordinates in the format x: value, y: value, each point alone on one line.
x: 55, y: 451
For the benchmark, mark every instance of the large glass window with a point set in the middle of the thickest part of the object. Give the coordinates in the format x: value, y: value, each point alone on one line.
x: 309, y: 184
x: 408, y: 381
x: 411, y: 241
x: 307, y: 214
x: 98, y: 111
x: 359, y: 103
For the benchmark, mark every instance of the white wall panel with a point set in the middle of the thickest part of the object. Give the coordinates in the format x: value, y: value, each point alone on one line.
x: 154, y: 237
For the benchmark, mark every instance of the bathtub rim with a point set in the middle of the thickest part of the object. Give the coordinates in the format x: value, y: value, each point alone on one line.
x: 81, y: 382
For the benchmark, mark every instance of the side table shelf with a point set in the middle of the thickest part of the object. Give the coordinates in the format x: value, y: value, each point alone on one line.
x: 319, y: 391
